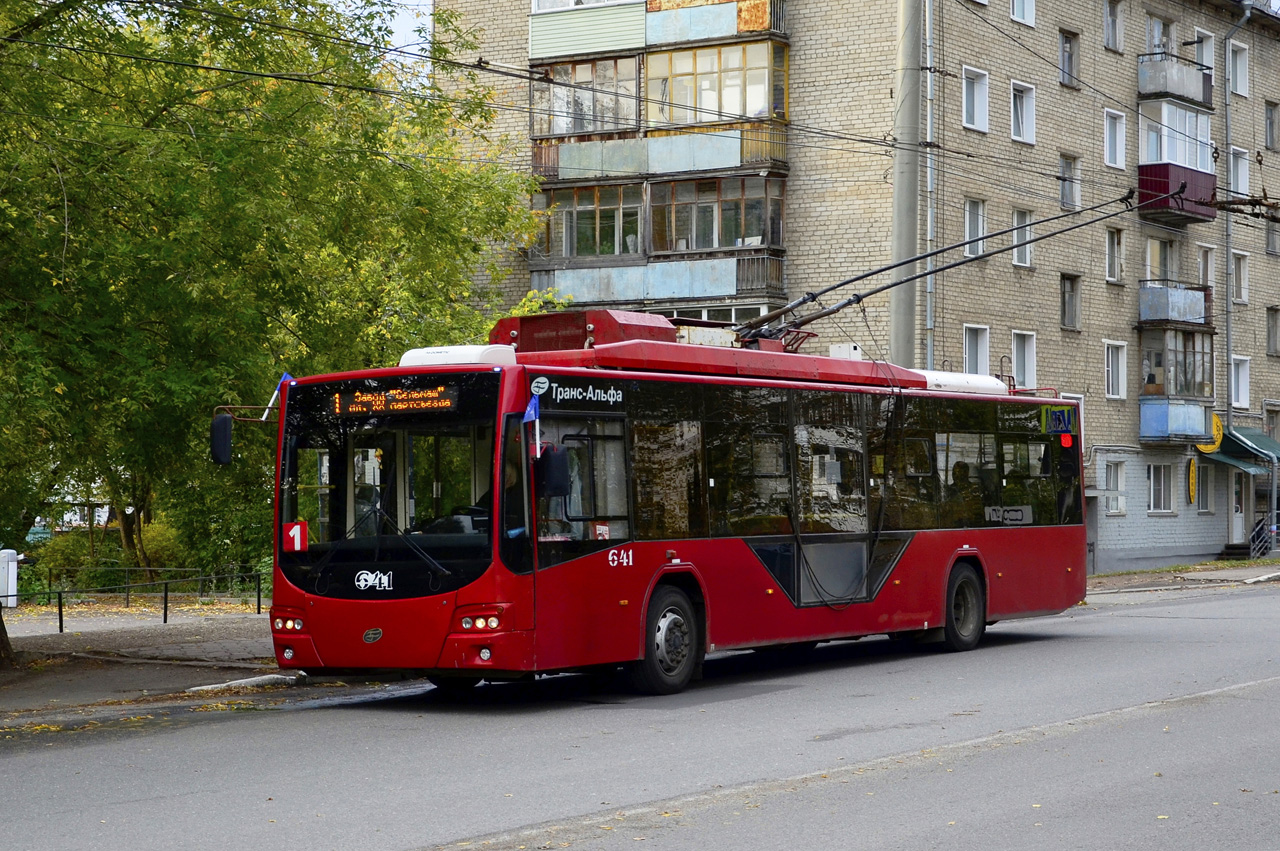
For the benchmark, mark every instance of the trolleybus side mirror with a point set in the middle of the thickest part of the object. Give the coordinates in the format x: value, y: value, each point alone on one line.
x: 220, y: 439
x: 551, y: 472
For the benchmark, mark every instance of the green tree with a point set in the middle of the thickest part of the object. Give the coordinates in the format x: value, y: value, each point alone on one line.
x: 194, y: 200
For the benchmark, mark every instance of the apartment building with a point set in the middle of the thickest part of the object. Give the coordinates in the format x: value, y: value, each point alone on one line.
x: 719, y: 159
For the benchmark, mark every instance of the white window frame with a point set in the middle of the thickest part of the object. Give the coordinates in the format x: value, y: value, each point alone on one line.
x: 1022, y: 237
x: 1239, y: 166
x: 975, y: 225
x: 1204, y: 486
x: 1240, y: 277
x: 1024, y: 94
x: 1023, y: 11
x: 1114, y: 256
x: 1206, y: 260
x: 1113, y: 143
x: 1171, y: 132
x: 1205, y: 51
x: 1113, y: 25
x: 981, y: 335
x: 1162, y: 259
x: 1024, y: 344
x: 1271, y: 125
x: 1160, y: 478
x: 1240, y: 381
x: 1273, y: 330
x: 974, y: 88
x: 1115, y: 367
x: 1113, y: 486
x: 1165, y: 42
x: 1238, y: 68
x: 1272, y: 237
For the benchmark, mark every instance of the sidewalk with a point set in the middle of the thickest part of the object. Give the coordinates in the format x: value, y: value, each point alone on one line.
x: 121, y: 664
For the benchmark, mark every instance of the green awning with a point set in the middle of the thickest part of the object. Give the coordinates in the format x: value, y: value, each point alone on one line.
x: 1238, y: 463
x: 1257, y: 441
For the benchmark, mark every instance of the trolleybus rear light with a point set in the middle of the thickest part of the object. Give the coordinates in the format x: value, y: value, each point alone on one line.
x: 288, y: 624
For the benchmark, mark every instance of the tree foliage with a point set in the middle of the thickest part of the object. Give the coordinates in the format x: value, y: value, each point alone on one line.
x: 197, y: 197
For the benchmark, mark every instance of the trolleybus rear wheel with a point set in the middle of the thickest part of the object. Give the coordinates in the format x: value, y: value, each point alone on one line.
x: 672, y: 646
x: 966, y: 609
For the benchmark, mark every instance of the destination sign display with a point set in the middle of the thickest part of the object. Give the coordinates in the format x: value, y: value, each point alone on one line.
x: 395, y: 401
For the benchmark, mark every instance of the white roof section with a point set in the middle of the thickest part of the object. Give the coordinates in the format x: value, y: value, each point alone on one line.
x: 964, y: 382
x: 446, y: 355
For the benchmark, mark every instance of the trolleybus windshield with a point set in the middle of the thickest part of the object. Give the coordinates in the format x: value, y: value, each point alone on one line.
x: 385, y: 484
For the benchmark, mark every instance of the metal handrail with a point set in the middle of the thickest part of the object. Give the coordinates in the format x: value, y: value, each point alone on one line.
x: 164, y: 583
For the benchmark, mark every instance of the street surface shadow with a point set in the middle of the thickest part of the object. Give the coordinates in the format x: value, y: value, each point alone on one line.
x: 726, y: 677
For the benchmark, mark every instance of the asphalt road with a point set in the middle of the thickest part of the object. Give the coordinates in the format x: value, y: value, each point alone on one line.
x: 1140, y: 721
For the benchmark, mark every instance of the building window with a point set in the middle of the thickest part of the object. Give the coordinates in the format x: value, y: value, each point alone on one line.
x: 1160, y: 488
x: 975, y: 99
x: 1022, y: 237
x: 595, y: 221
x: 1204, y: 267
x: 1112, y: 35
x: 1068, y: 182
x: 1204, y: 51
x: 1113, y: 138
x: 1024, y: 359
x: 1162, y: 260
x: 1240, y: 276
x: 1238, y: 68
x: 726, y: 213
x: 1239, y: 172
x: 724, y: 83
x: 1273, y: 237
x: 586, y: 97
x: 1273, y: 330
x: 1271, y: 115
x: 975, y: 226
x: 1174, y: 133
x: 1239, y: 381
x: 977, y: 352
x: 736, y: 314
x: 549, y: 5
x: 1204, y: 486
x: 1159, y: 35
x: 1177, y: 363
x: 1115, y: 255
x: 1023, y: 11
x: 1022, y: 112
x: 1114, y: 500
x: 1114, y: 369
x: 1069, y: 58
x: 1070, y: 302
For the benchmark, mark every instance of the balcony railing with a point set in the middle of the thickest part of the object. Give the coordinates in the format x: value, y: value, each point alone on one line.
x: 1162, y: 301
x: 1169, y: 75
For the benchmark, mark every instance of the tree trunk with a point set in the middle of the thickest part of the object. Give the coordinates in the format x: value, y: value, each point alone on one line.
x: 8, y: 659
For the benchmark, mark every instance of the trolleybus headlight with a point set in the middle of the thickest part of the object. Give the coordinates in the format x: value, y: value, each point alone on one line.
x: 485, y: 654
x: 493, y: 623
x: 466, y: 623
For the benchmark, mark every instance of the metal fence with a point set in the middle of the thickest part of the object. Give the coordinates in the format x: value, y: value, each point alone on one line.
x: 201, y: 582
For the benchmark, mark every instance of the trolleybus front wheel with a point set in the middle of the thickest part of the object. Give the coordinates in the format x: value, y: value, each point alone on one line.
x: 966, y: 609
x: 672, y: 646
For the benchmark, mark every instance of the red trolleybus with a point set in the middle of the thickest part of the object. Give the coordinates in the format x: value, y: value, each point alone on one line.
x: 591, y: 491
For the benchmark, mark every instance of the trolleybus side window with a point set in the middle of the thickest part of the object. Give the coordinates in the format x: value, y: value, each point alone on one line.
x: 667, y: 468
x: 594, y: 515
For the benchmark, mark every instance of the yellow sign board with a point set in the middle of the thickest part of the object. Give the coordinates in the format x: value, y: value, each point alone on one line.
x: 1217, y: 437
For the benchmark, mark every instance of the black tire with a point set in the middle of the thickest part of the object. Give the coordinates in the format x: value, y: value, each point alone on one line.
x: 966, y: 609
x: 673, y: 646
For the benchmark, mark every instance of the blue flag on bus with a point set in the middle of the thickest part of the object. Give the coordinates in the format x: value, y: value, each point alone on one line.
x: 531, y: 411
